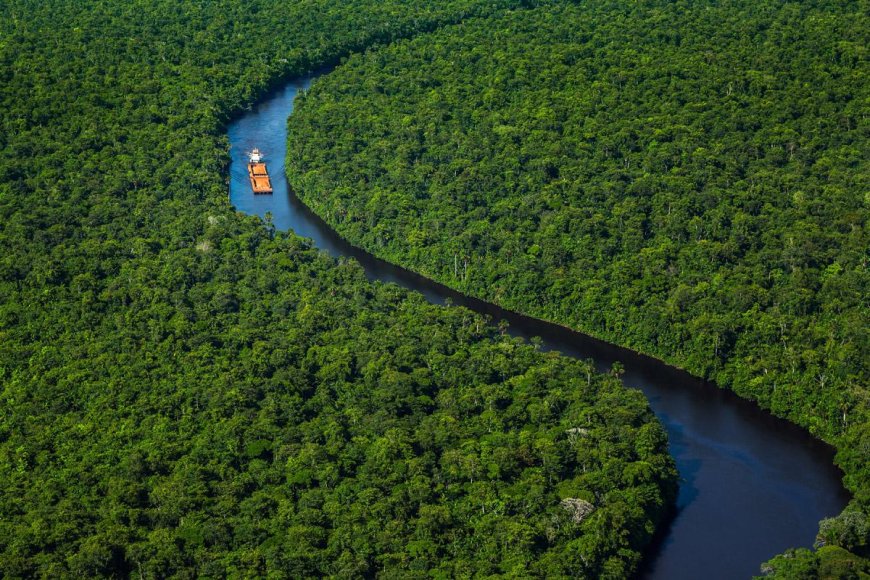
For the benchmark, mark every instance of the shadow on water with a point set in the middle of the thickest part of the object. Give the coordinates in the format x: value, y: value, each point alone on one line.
x: 752, y: 485
x: 662, y: 542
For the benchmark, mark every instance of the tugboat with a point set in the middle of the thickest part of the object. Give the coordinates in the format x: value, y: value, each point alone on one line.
x: 260, y: 181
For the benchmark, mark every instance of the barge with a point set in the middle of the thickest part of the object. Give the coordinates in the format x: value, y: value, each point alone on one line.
x: 260, y: 181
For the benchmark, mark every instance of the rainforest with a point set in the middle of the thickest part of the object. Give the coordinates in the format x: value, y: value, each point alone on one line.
x: 186, y: 391
x: 685, y: 179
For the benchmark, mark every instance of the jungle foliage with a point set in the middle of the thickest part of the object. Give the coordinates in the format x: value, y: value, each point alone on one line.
x: 186, y: 392
x: 688, y: 179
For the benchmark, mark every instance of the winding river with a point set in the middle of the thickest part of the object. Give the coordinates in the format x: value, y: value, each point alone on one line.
x: 751, y: 485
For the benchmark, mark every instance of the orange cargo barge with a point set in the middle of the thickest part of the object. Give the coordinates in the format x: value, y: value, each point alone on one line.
x: 260, y: 181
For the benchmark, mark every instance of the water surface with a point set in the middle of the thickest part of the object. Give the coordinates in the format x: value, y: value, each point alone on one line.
x: 751, y: 485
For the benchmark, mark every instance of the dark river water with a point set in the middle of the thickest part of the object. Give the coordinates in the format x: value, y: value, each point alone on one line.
x: 751, y: 485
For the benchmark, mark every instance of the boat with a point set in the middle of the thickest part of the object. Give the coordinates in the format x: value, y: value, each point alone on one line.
x: 260, y: 181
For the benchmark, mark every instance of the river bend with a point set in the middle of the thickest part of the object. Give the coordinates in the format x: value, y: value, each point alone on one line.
x: 751, y: 485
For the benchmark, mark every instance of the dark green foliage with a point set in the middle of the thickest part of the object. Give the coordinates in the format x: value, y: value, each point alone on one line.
x: 829, y: 562
x: 688, y: 179
x: 334, y: 428
x: 186, y: 393
x: 850, y: 530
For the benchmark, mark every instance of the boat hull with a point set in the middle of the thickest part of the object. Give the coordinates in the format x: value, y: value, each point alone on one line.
x: 259, y: 176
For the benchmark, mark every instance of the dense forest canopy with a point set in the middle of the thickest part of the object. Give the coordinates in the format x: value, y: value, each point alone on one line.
x: 688, y: 179
x: 186, y: 392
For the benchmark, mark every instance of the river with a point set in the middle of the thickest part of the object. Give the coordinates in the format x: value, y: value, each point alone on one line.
x: 751, y: 485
